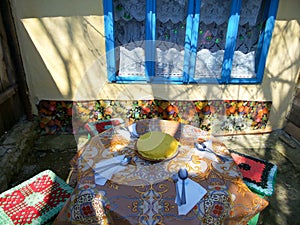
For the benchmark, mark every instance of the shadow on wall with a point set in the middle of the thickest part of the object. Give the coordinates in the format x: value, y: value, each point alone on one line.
x: 63, y: 39
x: 280, y: 77
x: 283, y: 77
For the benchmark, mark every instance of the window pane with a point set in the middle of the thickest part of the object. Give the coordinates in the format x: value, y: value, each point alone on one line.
x: 170, y: 35
x: 214, y: 16
x: 129, y: 17
x: 251, y: 19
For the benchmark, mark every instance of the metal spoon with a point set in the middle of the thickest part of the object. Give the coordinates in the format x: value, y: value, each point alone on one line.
x: 183, y: 174
x: 202, y: 147
x: 175, y: 179
x: 127, y: 159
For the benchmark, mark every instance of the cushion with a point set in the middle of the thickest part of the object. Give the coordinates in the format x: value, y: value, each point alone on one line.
x: 97, y: 127
x: 259, y: 175
x: 34, y: 201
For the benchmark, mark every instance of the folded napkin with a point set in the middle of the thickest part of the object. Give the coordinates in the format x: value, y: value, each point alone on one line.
x: 105, y: 169
x: 132, y: 130
x: 194, y: 192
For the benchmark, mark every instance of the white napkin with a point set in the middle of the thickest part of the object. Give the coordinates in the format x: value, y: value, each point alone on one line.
x: 100, y: 180
x: 132, y: 129
x: 206, y: 154
x: 194, y: 192
x: 105, y: 169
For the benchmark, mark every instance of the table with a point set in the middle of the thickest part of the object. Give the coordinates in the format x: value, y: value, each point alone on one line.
x: 144, y: 192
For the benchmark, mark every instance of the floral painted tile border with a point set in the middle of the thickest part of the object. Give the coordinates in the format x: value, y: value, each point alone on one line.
x: 217, y: 116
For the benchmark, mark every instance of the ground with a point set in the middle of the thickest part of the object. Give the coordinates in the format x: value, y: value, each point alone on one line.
x: 55, y: 151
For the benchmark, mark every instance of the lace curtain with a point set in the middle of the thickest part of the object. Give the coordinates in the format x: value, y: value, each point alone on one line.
x: 171, y: 15
x: 217, y: 11
x: 212, y: 11
x: 212, y: 36
x: 129, y: 17
x: 170, y: 33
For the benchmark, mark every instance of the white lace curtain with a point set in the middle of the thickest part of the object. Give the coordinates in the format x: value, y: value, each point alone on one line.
x: 212, y: 11
x: 129, y: 16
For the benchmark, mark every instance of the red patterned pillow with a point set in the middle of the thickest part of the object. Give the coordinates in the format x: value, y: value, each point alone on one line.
x: 97, y: 127
x: 34, y: 201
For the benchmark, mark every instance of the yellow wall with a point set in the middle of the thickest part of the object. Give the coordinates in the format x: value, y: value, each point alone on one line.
x: 62, y: 43
x: 63, y: 50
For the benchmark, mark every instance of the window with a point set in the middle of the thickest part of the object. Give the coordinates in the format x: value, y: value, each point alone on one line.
x: 190, y: 41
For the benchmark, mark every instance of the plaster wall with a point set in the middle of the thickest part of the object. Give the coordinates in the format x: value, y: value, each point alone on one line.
x: 63, y: 49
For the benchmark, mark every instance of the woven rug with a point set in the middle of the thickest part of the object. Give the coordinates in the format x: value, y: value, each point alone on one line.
x: 34, y: 201
x: 259, y: 175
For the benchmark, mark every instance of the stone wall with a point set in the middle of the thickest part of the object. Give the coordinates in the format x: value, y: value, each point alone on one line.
x: 15, y: 148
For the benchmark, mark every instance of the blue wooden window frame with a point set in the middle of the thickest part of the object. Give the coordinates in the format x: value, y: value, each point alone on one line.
x: 190, y: 45
x: 109, y: 39
x: 232, y: 30
x: 150, y: 38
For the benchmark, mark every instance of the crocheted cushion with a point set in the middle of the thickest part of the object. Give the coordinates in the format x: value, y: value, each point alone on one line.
x: 259, y: 175
x: 34, y: 201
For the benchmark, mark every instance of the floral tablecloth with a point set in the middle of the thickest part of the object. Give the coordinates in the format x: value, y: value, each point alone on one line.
x: 144, y: 193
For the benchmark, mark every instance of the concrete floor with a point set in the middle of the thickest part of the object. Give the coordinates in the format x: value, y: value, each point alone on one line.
x: 284, y: 207
x: 55, y: 151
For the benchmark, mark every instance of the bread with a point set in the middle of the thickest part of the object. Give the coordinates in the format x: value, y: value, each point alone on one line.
x: 157, y: 145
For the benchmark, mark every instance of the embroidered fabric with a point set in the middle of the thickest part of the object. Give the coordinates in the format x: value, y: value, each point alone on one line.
x: 131, y: 58
x: 172, y: 33
x: 243, y: 65
x: 217, y: 11
x: 213, y: 37
x: 169, y: 63
x: 129, y: 31
x: 174, y: 11
x: 169, y: 60
x: 129, y: 9
x: 209, y: 64
x: 212, y: 11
